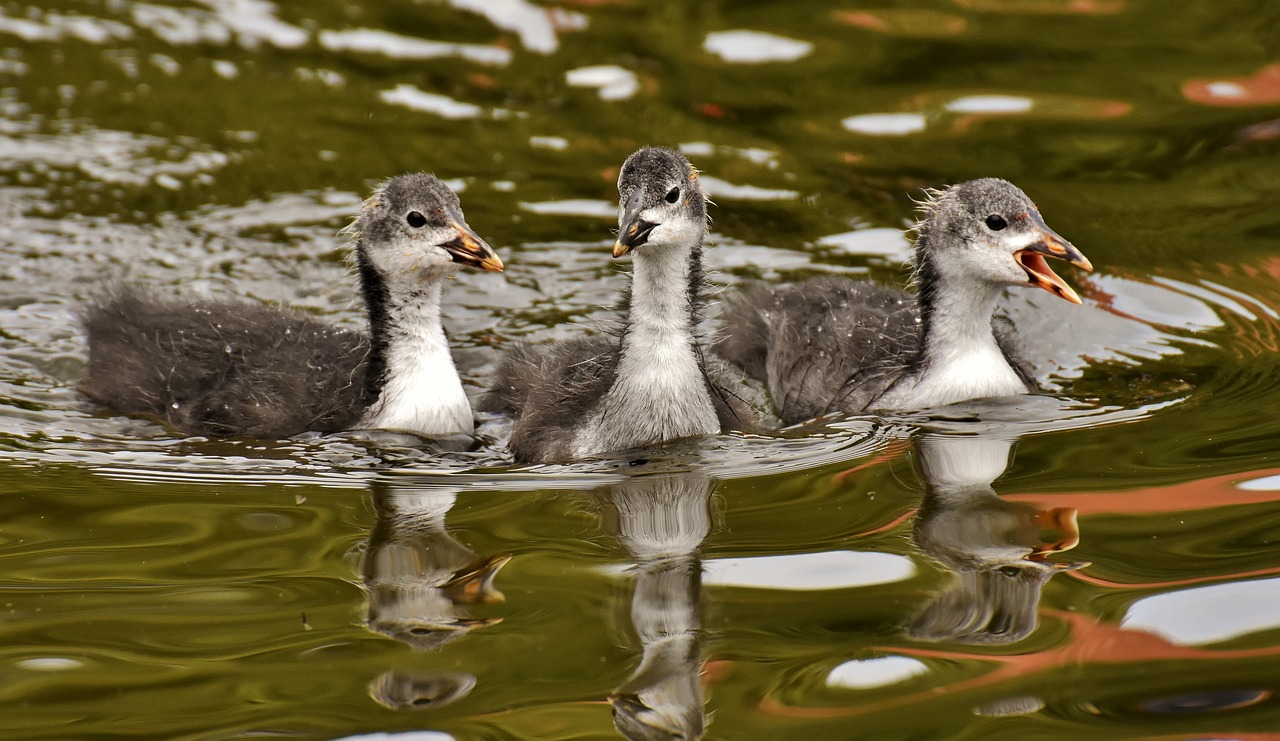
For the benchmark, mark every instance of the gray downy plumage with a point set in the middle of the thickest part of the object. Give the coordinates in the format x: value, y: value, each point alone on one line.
x: 654, y: 380
x: 230, y: 368
x: 837, y: 345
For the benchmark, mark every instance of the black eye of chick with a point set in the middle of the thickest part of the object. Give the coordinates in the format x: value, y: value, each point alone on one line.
x: 996, y: 222
x: 673, y: 195
x: 416, y: 220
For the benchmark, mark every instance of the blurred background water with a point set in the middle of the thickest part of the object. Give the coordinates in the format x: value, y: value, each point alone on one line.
x: 1097, y: 563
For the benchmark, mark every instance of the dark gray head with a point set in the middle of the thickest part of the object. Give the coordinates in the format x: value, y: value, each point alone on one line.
x: 988, y: 230
x: 412, y: 227
x: 659, y: 201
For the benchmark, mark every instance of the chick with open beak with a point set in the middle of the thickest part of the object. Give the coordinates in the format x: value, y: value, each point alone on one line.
x: 833, y: 344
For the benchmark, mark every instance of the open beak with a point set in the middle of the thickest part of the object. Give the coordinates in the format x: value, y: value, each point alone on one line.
x: 473, y: 583
x: 633, y: 231
x: 1050, y: 244
x: 469, y: 249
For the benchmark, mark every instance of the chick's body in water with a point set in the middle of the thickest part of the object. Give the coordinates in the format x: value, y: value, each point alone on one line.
x: 231, y: 368
x: 837, y: 345
x: 654, y: 381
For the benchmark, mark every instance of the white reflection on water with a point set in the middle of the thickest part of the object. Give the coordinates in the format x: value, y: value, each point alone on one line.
x: 610, y: 81
x: 56, y: 27
x: 717, y: 188
x: 1209, y: 614
x: 809, y: 571
x: 405, y: 736
x: 862, y: 674
x: 413, y: 98
x: 885, y: 124
x: 990, y: 104
x: 755, y: 47
x: 890, y: 244
x: 573, y: 207
x: 396, y: 46
x: 537, y: 27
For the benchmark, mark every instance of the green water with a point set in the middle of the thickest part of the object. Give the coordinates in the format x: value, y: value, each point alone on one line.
x: 866, y: 578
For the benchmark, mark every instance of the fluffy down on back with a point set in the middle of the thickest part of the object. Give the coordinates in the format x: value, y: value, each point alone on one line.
x: 823, y: 344
x: 219, y: 368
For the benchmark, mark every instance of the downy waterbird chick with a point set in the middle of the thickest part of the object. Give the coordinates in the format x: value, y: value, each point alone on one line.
x: 227, y: 368
x: 651, y: 383
x: 838, y: 345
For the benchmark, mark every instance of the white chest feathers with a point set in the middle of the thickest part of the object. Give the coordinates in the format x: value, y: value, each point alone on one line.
x: 423, y: 393
x: 979, y: 372
x: 660, y: 394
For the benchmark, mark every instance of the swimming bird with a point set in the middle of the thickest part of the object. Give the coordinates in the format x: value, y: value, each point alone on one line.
x: 228, y: 368
x: 838, y: 345
x: 652, y: 382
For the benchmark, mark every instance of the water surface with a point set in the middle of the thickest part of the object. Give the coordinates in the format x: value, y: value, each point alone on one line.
x: 1099, y: 562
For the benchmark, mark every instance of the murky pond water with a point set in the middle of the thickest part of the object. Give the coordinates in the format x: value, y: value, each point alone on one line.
x: 1098, y: 563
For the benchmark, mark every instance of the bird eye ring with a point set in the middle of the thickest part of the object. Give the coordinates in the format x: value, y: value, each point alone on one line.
x: 415, y: 219
x: 673, y: 195
x: 996, y: 222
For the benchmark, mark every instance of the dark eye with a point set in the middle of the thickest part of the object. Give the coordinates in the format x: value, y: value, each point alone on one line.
x: 996, y: 222
x: 673, y: 195
x: 416, y: 220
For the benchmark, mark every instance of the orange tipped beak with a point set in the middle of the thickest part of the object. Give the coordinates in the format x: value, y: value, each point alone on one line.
x: 1039, y: 274
x: 469, y: 249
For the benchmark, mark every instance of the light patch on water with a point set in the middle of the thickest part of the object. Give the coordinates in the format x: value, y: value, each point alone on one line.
x: 763, y: 157
x: 881, y: 242
x: 741, y: 46
x: 865, y: 674
x: 767, y: 262
x: 1220, y: 612
x: 225, y: 69
x: 1266, y: 483
x: 252, y: 23
x: 717, y: 188
x: 166, y: 64
x: 885, y: 124
x: 1225, y: 89
x: 558, y: 143
x: 109, y: 156
x: 181, y: 26
x: 610, y: 81
x: 50, y: 664
x: 415, y: 99
x: 255, y: 22
x: 56, y: 27
x: 537, y: 27
x: 396, y: 46
x: 990, y: 104
x: 1209, y: 297
x: 405, y: 736
x: 809, y: 571
x: 327, y: 77
x: 1160, y: 305
x: 573, y: 207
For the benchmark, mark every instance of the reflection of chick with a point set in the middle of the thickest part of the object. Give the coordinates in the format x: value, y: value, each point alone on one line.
x: 418, y: 577
x: 997, y: 549
x: 420, y: 690
x: 662, y: 521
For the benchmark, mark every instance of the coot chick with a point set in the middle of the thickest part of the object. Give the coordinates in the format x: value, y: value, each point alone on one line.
x: 651, y: 383
x: 229, y: 368
x: 833, y: 344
